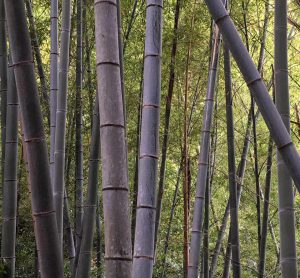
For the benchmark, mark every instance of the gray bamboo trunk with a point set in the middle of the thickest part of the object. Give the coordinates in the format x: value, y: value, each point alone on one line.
x: 233, y: 198
x: 50, y: 259
x: 118, y: 253
x: 196, y: 237
x: 78, y: 144
x: 10, y: 178
x: 164, y: 149
x: 288, y: 255
x: 85, y: 254
x: 149, y: 146
x: 258, y: 89
x: 3, y: 84
x: 54, y: 56
x: 60, y: 131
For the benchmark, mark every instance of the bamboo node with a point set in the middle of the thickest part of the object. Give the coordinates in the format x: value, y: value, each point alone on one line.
x: 43, y: 213
x: 145, y: 207
x: 129, y: 259
x: 143, y: 257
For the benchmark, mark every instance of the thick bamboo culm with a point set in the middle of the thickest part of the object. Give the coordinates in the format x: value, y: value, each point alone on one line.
x: 117, y: 231
x: 50, y: 257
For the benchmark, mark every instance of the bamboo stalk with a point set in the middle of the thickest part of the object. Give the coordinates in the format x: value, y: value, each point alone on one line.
x: 50, y: 257
x: 146, y: 203
x: 59, y: 155
x: 203, y: 160
x: 8, y: 244
x: 118, y: 252
x: 288, y: 254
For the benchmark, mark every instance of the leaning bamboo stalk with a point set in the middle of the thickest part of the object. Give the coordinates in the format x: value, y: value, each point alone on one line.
x: 85, y: 253
x: 234, y: 226
x: 59, y: 154
x: 258, y: 89
x: 242, y: 164
x: 288, y: 255
x: 149, y: 146
x: 10, y: 178
x: 203, y: 160
x: 118, y: 253
x: 50, y: 257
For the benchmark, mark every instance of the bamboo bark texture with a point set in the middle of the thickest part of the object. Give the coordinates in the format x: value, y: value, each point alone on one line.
x: 149, y: 145
x: 8, y: 244
x: 194, y: 260
x: 288, y: 255
x: 50, y: 257
x: 61, y: 110
x: 258, y: 89
x: 118, y: 253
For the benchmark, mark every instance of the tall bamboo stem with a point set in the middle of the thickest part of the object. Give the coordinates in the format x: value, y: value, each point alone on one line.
x: 118, y: 252
x: 288, y: 255
x: 146, y: 202
x: 50, y: 257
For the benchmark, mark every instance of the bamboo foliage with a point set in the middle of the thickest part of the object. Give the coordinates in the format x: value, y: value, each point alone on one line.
x: 50, y: 259
x: 149, y: 144
x: 118, y: 254
x: 203, y: 160
x: 258, y: 89
x: 288, y: 256
x: 10, y: 178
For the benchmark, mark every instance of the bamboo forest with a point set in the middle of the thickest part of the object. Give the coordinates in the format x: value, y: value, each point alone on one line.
x: 150, y: 138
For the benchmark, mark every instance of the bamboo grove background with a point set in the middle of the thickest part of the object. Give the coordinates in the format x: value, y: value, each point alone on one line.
x: 193, y: 39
